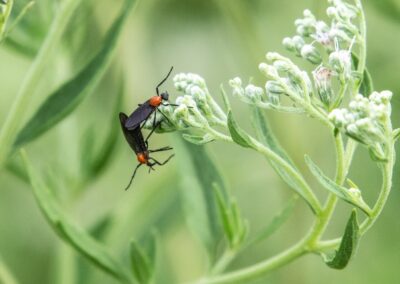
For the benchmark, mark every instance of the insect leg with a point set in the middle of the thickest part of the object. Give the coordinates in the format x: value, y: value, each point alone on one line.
x: 167, y: 148
x: 163, y: 163
x: 165, y: 79
x: 133, y: 175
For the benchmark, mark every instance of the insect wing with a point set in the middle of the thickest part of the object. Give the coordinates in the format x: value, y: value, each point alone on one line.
x: 131, y: 136
x: 139, y: 115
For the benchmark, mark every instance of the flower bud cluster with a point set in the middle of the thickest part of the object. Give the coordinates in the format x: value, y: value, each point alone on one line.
x: 285, y: 78
x: 341, y: 29
x: 251, y: 94
x: 195, y: 108
x: 366, y: 120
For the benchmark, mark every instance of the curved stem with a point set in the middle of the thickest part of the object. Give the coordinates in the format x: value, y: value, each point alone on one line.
x: 242, y: 275
x: 33, y: 77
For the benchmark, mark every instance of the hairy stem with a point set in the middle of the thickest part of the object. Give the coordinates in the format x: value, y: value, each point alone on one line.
x: 33, y: 77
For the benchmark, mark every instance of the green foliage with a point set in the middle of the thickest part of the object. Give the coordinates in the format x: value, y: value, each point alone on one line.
x: 336, y: 189
x: 199, y: 203
x: 64, y: 100
x: 238, y: 135
x: 72, y: 234
x: 143, y: 260
x: 348, y: 244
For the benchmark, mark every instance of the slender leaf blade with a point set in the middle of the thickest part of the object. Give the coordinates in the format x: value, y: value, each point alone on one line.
x: 199, y: 201
x: 348, y: 244
x: 64, y: 100
x: 140, y: 264
x: 238, y: 135
x: 336, y: 189
x: 73, y: 235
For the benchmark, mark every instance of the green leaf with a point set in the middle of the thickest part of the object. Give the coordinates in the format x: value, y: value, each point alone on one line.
x: 199, y: 202
x: 225, y: 98
x: 238, y: 135
x: 225, y: 215
x: 235, y: 227
x: 142, y: 267
x: 348, y: 245
x: 73, y: 235
x: 5, y: 11
x: 366, y: 86
x: 94, y: 163
x: 340, y: 191
x: 64, y: 100
x: 266, y: 136
x: 198, y: 140
x: 276, y: 222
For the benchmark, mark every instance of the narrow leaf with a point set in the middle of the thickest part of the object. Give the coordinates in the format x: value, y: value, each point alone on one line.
x: 266, y: 136
x: 94, y: 163
x: 64, y: 100
x: 238, y: 135
x: 366, y: 86
x: 225, y: 215
x: 225, y: 98
x: 73, y: 235
x: 348, y: 245
x: 199, y: 200
x: 140, y: 264
x: 336, y: 189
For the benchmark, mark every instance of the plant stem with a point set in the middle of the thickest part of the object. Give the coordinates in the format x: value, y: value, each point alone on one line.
x: 363, y: 44
x: 246, y: 274
x: 223, y: 262
x: 33, y: 77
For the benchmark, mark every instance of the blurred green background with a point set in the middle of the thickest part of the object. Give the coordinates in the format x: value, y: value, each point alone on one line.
x: 218, y: 39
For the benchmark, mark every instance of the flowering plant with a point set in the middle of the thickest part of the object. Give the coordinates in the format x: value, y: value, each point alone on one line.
x: 338, y: 92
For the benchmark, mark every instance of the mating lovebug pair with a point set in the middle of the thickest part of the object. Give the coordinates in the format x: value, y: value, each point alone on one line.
x: 132, y: 125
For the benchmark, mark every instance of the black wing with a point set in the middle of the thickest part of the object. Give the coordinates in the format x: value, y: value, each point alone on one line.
x: 139, y: 115
x: 133, y: 137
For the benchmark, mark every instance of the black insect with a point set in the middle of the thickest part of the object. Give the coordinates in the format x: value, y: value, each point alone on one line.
x: 134, y: 137
x: 143, y: 112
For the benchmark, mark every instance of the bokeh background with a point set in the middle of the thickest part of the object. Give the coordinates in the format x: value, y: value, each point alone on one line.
x: 218, y: 39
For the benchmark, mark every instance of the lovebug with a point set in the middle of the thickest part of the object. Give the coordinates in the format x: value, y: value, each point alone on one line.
x: 134, y: 137
x: 143, y: 112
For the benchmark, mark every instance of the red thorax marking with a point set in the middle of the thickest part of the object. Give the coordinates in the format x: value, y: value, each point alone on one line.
x: 142, y: 158
x: 155, y: 101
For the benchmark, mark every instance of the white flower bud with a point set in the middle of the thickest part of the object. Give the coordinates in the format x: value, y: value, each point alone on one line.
x: 310, y: 53
x: 341, y: 61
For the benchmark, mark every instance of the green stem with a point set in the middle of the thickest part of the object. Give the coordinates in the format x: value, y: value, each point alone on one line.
x: 33, y: 77
x: 362, y: 43
x: 307, y: 244
x: 252, y: 272
x: 223, y: 262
